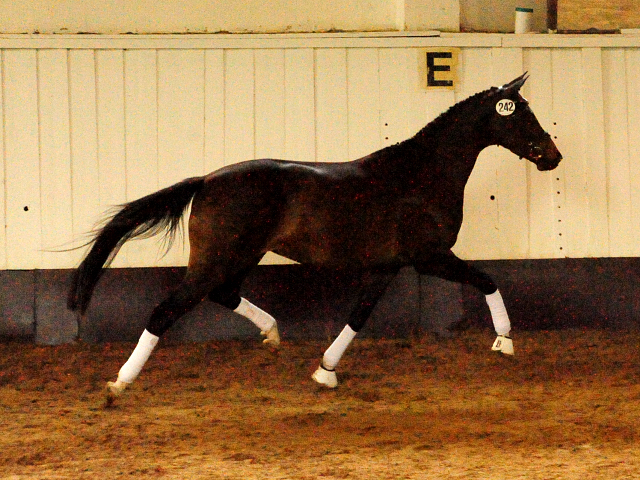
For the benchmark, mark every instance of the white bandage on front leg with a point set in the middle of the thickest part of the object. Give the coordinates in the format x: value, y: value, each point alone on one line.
x: 261, y: 319
x: 334, y: 353
x: 501, y: 323
x: 499, y: 313
x: 325, y: 374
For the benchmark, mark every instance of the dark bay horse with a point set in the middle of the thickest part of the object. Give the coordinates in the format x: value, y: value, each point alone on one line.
x: 399, y: 206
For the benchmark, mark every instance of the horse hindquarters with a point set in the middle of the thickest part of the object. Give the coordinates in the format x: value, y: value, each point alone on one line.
x: 226, y: 243
x: 232, y: 219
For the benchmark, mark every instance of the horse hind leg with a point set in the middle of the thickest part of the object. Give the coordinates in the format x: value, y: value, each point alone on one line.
x: 372, y: 288
x: 261, y: 319
x: 231, y: 299
x: 183, y: 299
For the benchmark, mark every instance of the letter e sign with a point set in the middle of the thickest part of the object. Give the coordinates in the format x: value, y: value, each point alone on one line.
x: 439, y: 67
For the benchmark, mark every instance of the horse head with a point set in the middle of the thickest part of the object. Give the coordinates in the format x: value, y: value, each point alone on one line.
x: 513, y: 125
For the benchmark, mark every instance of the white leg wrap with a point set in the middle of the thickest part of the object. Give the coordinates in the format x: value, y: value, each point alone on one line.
x: 261, y: 319
x: 334, y: 353
x: 499, y: 313
x: 325, y: 374
x: 138, y: 358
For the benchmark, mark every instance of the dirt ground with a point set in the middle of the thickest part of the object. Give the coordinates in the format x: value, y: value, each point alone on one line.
x: 566, y: 407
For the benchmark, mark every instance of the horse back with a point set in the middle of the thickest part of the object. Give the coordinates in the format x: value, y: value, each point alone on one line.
x: 327, y: 214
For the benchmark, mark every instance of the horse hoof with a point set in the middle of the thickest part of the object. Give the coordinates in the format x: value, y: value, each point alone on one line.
x: 325, y: 377
x: 272, y: 336
x: 114, y: 389
x: 503, y: 344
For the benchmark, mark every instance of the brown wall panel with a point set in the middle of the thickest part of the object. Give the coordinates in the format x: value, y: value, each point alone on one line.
x: 609, y: 15
x: 539, y: 294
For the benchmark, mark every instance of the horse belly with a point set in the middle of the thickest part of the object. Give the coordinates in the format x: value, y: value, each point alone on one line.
x: 346, y: 241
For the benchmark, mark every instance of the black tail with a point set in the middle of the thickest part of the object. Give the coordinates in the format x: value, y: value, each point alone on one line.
x: 141, y: 218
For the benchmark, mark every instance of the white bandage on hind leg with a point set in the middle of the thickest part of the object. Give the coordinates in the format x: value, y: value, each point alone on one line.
x: 334, y: 353
x: 499, y: 313
x: 138, y: 358
x: 259, y: 317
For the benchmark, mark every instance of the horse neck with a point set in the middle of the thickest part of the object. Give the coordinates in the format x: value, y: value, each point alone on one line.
x: 445, y: 152
x: 452, y: 147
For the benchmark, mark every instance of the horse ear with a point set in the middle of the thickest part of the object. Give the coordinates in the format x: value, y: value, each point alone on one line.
x: 515, y: 85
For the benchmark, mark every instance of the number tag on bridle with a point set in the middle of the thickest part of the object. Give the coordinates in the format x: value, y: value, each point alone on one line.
x: 506, y: 107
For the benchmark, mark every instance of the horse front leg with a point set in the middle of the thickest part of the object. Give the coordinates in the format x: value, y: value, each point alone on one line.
x: 452, y: 268
x: 372, y: 288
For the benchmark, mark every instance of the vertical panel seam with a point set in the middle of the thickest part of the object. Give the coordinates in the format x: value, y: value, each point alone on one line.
x: 39, y: 120
x: 71, y: 145
x: 4, y: 155
x: 629, y: 136
x: 315, y: 104
x: 381, y: 143
x: 125, y: 139
x: 225, y: 77
x: 97, y: 106
x: 224, y: 105
x: 253, y: 94
x: 347, y: 99
x: 157, y: 93
x: 285, y: 104
x: 204, y: 111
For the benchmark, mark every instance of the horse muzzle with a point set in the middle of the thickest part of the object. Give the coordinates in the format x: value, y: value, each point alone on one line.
x: 543, y: 167
x: 545, y: 156
x: 548, y: 162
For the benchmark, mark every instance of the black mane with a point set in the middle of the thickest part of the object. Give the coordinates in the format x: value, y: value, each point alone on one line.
x: 466, y: 108
x: 403, y: 156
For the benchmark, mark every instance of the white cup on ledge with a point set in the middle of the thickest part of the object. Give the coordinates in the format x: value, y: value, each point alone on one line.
x: 524, y: 19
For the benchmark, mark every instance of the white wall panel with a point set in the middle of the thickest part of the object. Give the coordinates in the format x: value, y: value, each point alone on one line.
x: 112, y: 177
x: 180, y: 114
x: 406, y: 107
x: 332, y: 126
x: 594, y: 152
x: 568, y: 110
x: 3, y: 221
x: 84, y: 145
x: 632, y: 67
x: 300, y: 124
x: 86, y: 129
x: 214, y: 108
x: 617, y: 152
x: 22, y: 159
x: 239, y: 105
x: 269, y: 104
x: 141, y: 122
x: 56, y: 212
x: 363, y: 84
